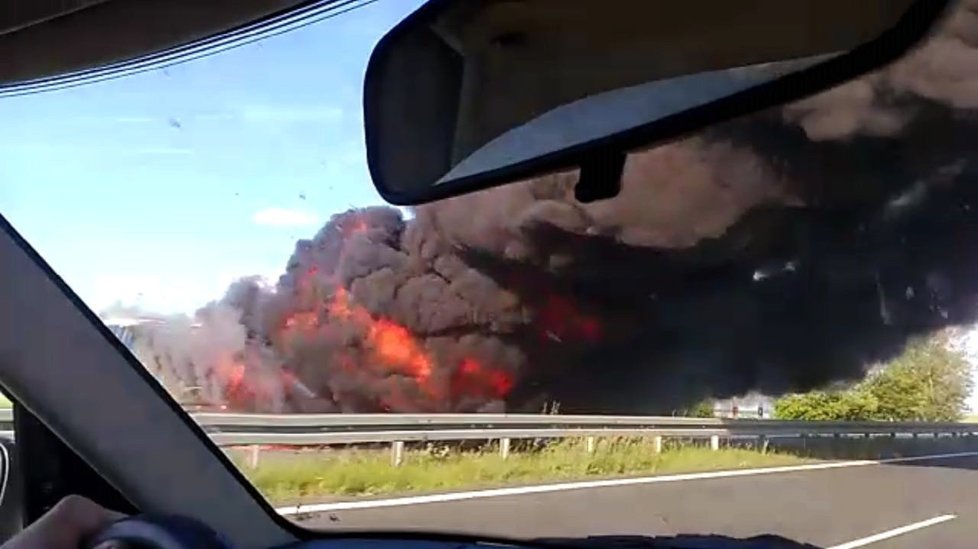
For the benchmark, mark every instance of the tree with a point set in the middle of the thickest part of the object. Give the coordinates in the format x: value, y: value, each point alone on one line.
x: 703, y: 408
x: 852, y: 405
x: 927, y: 382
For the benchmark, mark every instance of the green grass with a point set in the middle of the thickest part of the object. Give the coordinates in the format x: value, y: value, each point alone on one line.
x: 290, y: 477
x: 4, y: 403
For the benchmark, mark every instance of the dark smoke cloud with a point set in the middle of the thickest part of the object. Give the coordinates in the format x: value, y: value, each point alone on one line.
x: 781, y: 252
x: 943, y: 70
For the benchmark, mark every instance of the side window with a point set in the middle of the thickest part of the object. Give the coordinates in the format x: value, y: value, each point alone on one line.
x: 37, y: 470
x: 11, y: 477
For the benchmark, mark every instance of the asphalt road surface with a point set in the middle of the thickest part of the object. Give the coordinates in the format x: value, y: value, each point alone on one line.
x: 825, y: 507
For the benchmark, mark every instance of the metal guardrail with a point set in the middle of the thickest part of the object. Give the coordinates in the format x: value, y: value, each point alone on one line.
x: 404, y: 420
x: 325, y: 429
x: 426, y: 422
x: 255, y: 430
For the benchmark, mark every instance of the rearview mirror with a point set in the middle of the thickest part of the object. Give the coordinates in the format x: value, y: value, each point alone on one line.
x: 462, y: 96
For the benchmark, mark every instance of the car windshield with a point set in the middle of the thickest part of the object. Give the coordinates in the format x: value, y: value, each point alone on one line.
x: 808, y: 262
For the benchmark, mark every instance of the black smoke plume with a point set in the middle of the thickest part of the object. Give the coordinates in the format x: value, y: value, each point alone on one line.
x: 780, y: 252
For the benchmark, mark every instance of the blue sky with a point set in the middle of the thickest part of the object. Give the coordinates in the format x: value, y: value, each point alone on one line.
x: 158, y: 189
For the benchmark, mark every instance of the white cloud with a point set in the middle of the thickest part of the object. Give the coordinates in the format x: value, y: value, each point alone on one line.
x: 283, y: 217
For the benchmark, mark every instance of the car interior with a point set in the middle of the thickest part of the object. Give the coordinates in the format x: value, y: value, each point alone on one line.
x: 459, y: 97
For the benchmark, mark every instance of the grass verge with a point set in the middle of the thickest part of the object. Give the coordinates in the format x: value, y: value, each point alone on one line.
x: 290, y: 477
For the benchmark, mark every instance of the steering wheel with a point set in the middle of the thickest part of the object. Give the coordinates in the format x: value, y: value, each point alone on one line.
x: 160, y: 532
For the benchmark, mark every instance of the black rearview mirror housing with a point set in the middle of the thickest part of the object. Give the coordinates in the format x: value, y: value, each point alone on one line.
x: 463, y: 96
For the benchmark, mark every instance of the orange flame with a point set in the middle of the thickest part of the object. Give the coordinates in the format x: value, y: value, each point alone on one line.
x: 392, y: 343
x: 561, y: 320
x: 340, y: 305
x: 357, y: 226
x: 472, y: 378
x: 232, y: 374
x: 395, y: 344
x: 389, y: 346
x: 308, y: 320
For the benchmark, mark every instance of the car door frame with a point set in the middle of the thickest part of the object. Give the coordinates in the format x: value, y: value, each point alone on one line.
x: 65, y: 367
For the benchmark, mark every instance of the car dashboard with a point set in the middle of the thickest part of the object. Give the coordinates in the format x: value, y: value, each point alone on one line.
x: 682, y: 541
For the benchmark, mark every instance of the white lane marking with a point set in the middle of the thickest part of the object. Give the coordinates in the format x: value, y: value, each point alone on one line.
x: 893, y: 533
x: 522, y: 490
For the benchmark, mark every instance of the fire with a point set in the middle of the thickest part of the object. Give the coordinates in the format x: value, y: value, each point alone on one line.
x: 557, y: 318
x: 340, y: 305
x: 392, y: 343
x: 500, y: 382
x: 469, y: 367
x: 560, y: 321
x: 302, y: 321
x: 395, y: 344
x: 232, y: 374
x: 472, y: 378
x: 329, y: 311
x: 392, y: 347
x: 358, y: 225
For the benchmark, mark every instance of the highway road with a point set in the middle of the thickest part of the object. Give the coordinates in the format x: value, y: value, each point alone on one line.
x: 825, y: 507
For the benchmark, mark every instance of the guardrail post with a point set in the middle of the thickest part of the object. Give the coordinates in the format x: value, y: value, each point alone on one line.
x: 397, y: 453
x: 504, y: 448
x: 892, y: 435
x: 657, y: 444
x: 762, y: 442
x: 714, y: 442
x: 914, y: 435
x: 589, y: 444
x: 253, y: 458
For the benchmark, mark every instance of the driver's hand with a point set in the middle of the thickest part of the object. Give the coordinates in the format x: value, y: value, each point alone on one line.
x: 66, y: 526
